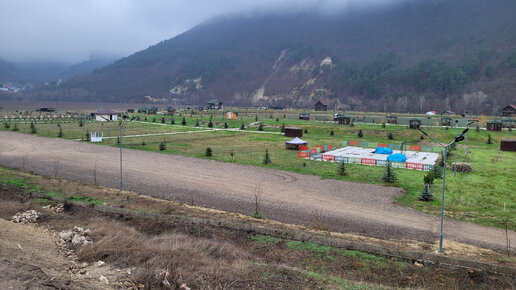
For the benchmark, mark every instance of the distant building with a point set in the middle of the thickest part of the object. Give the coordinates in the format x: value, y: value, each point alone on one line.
x: 143, y: 110
x: 343, y: 119
x: 153, y: 110
x: 106, y: 115
x: 171, y: 110
x: 130, y: 110
x: 304, y: 116
x: 46, y: 110
x: 414, y: 123
x: 321, y: 106
x: 232, y: 115
x: 494, y: 125
x: 509, y: 111
x: 214, y: 104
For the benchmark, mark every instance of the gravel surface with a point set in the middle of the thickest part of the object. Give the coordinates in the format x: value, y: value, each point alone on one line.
x: 284, y: 196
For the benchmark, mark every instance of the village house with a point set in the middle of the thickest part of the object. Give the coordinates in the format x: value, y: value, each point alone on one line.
x: 321, y: 106
x: 214, y: 104
x: 509, y: 111
x: 105, y: 115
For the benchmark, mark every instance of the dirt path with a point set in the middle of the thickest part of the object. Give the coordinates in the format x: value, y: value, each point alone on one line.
x: 284, y: 196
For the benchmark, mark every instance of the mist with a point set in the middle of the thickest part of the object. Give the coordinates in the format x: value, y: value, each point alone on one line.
x: 74, y: 31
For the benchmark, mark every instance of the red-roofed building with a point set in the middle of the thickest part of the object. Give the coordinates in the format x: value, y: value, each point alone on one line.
x: 321, y: 106
x: 509, y: 111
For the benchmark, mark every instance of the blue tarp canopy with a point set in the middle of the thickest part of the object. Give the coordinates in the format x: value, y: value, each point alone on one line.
x: 383, y: 150
x: 398, y: 157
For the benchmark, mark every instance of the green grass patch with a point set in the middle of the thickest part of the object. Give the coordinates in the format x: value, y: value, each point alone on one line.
x: 264, y: 239
x: 13, y: 181
x: 85, y: 199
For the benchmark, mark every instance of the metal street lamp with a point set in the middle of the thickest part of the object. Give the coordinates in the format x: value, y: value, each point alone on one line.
x: 458, y: 138
x: 121, y: 124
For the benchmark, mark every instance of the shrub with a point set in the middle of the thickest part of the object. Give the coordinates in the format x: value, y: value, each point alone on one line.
x: 60, y: 134
x: 426, y: 195
x: 87, y: 135
x: 306, y: 131
x: 33, y: 128
x: 256, y: 214
x: 197, y: 123
x: 429, y: 178
x: 422, y: 137
x: 154, y: 120
x: 210, y: 124
x: 266, y: 157
x: 163, y: 120
x: 277, y: 119
x: 15, y: 127
x: 242, y: 127
x: 342, y: 169
x: 172, y: 122
x: 162, y: 146
x: 360, y: 133
x: 282, y: 129
x: 436, y: 172
x: 208, y: 152
x: 331, y: 133
x: 389, y: 176
x: 226, y: 125
x: 7, y: 125
x: 260, y: 128
x: 183, y: 122
x: 489, y: 140
x: 143, y: 143
x: 81, y: 123
x: 389, y: 136
x: 383, y: 125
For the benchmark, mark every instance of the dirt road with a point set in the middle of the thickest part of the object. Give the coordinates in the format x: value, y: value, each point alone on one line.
x: 289, y: 197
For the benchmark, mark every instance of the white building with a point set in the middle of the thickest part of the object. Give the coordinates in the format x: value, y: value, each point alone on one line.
x: 106, y: 115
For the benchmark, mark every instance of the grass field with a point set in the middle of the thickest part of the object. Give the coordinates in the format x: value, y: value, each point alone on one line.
x: 486, y: 195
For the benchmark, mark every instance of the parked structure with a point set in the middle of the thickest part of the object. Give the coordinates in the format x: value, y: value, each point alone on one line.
x: 304, y: 116
x: 294, y: 144
x: 232, y: 115
x: 392, y: 119
x: 414, y: 123
x: 46, y: 110
x: 106, y: 115
x: 509, y: 111
x: 321, y: 106
x: 343, y: 119
x: 293, y: 132
x: 508, y: 145
x: 214, y: 104
x: 494, y: 125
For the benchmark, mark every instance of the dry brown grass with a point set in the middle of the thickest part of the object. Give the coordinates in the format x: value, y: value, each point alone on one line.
x: 167, y: 261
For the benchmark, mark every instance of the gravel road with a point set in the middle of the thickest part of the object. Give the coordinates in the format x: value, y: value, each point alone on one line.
x: 284, y: 196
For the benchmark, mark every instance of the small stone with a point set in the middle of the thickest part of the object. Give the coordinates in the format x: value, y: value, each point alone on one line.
x: 103, y: 279
x: 66, y: 235
x: 418, y: 264
x: 101, y: 263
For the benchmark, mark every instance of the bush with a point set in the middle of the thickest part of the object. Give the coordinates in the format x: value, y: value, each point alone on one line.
x: 242, y: 127
x: 429, y: 178
x: 256, y: 214
x: 60, y: 134
x: 162, y: 146
x: 306, y: 131
x: 383, y: 125
x: 210, y: 124
x: 143, y: 143
x: 7, y: 125
x: 277, y: 119
x: 87, y: 135
x: 422, y: 137
x: 389, y: 176
x: 81, y: 123
x: 197, y: 123
x: 163, y: 120
x: 172, y: 122
x: 183, y: 122
x: 154, y: 120
x: 342, y: 169
x: 331, y: 133
x: 15, y: 127
x: 33, y: 128
x: 226, y: 125
x: 208, y: 152
x: 489, y: 140
x: 282, y: 129
x: 426, y: 195
x: 360, y: 133
x: 260, y: 128
x: 266, y: 157
x: 389, y: 136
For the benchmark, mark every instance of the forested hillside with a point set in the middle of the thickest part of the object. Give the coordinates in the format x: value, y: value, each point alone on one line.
x: 414, y: 56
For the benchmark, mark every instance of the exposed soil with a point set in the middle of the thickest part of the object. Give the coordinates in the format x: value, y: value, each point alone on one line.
x: 284, y: 196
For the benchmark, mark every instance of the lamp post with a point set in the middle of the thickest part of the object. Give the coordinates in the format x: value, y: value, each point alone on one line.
x: 458, y: 138
x: 121, y: 124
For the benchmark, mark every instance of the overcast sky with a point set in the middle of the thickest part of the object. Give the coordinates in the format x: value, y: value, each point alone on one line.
x: 71, y: 30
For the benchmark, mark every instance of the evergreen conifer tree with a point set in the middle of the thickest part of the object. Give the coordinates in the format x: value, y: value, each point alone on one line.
x: 210, y: 124
x: 33, y: 128
x: 208, y: 152
x: 342, y: 169
x: 183, y: 122
x: 260, y: 128
x: 282, y: 129
x: 242, y: 127
x: 389, y: 176
x: 162, y: 146
x: 197, y: 123
x: 489, y: 140
x: 172, y: 122
x: 389, y: 136
x: 426, y: 195
x: 226, y: 125
x: 360, y: 133
x: 266, y: 157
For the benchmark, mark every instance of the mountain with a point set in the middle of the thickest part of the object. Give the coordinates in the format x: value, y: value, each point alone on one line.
x: 85, y: 67
x: 411, y: 56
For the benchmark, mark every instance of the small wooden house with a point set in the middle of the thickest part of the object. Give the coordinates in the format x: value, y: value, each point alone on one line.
x: 414, y: 123
x: 508, y: 145
x: 153, y: 110
x: 214, y: 104
x: 231, y: 115
x: 508, y: 123
x: 143, y: 110
x: 293, y: 132
x: 446, y: 121
x: 321, y: 106
x: 392, y: 119
x: 171, y: 110
x: 304, y: 116
x: 509, y: 111
x: 344, y: 120
x: 130, y: 111
x: 494, y: 125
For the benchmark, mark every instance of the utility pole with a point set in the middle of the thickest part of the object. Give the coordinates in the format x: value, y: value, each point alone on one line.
x: 457, y: 139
